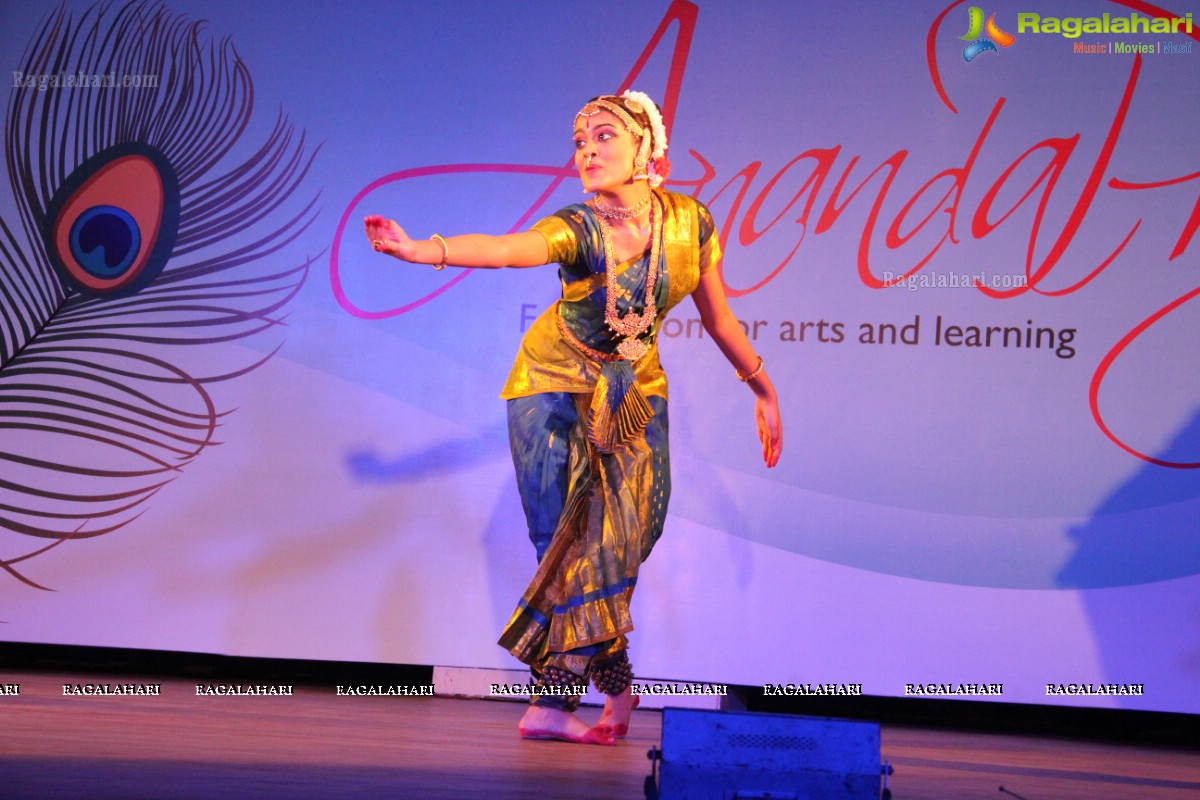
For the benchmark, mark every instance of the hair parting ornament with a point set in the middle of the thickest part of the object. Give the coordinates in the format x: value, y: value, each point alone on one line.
x: 652, y: 146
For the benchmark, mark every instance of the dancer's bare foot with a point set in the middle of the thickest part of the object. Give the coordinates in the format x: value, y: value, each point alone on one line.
x: 618, y: 709
x: 543, y: 722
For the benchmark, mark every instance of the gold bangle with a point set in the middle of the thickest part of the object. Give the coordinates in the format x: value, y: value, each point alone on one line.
x: 437, y: 237
x: 757, y: 371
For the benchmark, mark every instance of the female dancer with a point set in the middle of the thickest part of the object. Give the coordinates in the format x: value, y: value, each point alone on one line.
x: 587, y: 400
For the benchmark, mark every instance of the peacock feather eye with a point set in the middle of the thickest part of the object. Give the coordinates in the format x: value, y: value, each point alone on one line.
x: 110, y: 227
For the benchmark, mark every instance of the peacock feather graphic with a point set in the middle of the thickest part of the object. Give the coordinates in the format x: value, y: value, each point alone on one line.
x: 147, y: 234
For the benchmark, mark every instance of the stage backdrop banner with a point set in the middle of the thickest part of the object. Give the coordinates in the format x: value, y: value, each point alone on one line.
x: 963, y: 238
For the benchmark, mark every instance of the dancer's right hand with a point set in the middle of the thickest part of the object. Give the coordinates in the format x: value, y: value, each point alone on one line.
x: 386, y: 236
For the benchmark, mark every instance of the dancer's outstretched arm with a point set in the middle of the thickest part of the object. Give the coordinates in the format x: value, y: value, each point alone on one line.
x: 525, y: 249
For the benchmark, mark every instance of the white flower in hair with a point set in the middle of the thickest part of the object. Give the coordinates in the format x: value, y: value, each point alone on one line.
x: 657, y: 128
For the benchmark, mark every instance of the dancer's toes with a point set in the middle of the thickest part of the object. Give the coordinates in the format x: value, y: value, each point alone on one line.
x: 618, y: 710
x: 558, y: 725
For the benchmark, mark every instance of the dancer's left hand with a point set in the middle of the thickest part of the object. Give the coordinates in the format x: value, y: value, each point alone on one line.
x: 770, y: 427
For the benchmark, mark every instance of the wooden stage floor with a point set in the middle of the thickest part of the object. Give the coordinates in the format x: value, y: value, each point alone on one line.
x: 317, y: 744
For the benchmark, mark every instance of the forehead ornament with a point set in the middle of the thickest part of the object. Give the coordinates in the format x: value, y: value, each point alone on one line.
x: 596, y: 106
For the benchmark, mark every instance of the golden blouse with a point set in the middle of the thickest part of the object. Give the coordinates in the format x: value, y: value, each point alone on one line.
x: 548, y: 362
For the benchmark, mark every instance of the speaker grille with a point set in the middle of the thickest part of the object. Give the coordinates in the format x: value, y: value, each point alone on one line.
x: 767, y: 741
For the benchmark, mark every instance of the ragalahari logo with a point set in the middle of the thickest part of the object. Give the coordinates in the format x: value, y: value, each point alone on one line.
x: 977, y: 44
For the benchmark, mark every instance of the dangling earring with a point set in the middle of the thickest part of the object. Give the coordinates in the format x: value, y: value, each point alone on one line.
x: 642, y: 160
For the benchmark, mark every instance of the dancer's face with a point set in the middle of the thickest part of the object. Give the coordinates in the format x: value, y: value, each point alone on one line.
x: 604, y: 152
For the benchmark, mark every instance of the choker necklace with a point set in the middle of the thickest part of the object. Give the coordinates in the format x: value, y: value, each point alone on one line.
x: 632, y: 324
x: 609, y: 212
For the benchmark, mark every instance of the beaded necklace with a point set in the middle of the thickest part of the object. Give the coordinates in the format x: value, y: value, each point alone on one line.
x: 632, y: 324
x: 609, y: 212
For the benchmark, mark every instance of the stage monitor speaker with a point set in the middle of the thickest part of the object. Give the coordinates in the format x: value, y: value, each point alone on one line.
x: 727, y: 755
